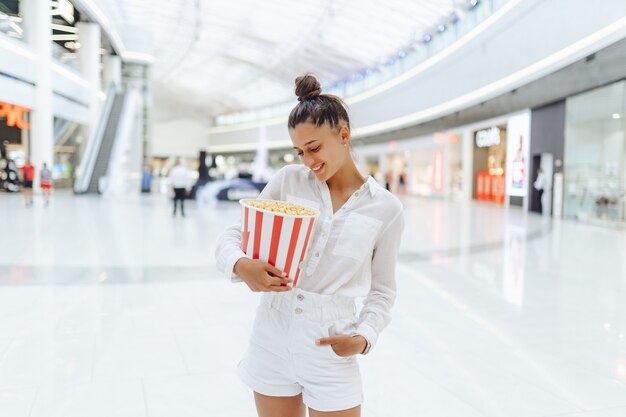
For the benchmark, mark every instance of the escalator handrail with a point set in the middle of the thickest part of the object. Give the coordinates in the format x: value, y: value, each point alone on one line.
x: 93, y: 145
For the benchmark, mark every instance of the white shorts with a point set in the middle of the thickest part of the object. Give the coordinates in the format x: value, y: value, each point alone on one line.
x: 283, y: 359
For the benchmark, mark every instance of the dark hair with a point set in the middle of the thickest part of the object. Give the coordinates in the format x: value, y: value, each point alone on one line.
x: 315, y: 107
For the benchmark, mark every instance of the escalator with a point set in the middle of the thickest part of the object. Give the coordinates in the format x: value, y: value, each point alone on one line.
x: 108, y: 139
x: 98, y: 155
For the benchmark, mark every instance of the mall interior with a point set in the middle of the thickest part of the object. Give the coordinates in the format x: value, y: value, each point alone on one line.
x: 500, y: 125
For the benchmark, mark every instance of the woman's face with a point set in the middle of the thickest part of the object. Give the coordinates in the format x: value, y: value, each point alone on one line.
x: 323, y: 149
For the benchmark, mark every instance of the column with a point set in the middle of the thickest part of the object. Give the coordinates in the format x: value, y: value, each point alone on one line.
x: 89, y: 64
x: 38, y: 35
x: 467, y: 142
x: 382, y: 168
x: 112, y: 73
x: 259, y: 167
x: 447, y: 168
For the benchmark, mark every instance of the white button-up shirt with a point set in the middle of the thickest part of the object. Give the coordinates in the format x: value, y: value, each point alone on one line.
x: 179, y: 177
x: 352, y: 252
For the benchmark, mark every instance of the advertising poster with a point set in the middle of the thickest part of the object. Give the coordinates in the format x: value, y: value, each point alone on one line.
x: 518, y: 140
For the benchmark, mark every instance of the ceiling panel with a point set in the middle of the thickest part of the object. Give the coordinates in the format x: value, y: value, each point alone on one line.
x: 224, y: 56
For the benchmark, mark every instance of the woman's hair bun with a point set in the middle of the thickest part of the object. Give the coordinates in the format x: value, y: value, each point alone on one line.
x: 307, y: 87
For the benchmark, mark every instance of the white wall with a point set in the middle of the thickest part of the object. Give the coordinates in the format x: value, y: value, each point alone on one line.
x: 18, y: 60
x: 183, y: 137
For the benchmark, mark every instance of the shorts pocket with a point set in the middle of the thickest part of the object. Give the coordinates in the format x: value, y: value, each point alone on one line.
x: 357, y: 236
x: 344, y: 327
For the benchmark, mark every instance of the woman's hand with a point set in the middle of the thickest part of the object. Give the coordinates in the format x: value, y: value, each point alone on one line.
x: 344, y: 345
x: 261, y: 276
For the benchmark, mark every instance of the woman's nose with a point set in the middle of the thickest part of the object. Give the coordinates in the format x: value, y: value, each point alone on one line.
x: 308, y: 161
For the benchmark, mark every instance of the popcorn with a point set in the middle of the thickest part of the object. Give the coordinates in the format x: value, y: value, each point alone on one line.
x: 282, y: 207
x: 277, y: 232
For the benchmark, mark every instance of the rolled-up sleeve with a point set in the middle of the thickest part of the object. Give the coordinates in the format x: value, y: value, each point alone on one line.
x: 228, y: 250
x: 376, y: 312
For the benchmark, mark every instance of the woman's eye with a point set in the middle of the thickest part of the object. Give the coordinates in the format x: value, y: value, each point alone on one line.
x: 300, y: 154
x: 315, y: 149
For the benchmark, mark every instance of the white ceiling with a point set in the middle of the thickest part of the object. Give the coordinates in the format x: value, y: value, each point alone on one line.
x: 216, y: 57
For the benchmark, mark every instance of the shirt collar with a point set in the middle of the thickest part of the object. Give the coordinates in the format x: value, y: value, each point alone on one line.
x: 372, y: 185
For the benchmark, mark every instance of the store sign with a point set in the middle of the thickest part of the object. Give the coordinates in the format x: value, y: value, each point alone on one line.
x: 14, y: 115
x: 488, y: 137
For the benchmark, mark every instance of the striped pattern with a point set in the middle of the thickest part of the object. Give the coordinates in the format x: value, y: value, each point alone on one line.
x: 280, y: 240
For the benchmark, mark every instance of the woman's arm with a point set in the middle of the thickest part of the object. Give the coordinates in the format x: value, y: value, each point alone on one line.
x: 228, y: 250
x: 376, y: 312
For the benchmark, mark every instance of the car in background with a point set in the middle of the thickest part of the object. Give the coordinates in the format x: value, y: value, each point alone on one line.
x: 229, y: 190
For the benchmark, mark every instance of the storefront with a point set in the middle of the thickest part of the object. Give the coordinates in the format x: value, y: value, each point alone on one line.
x: 436, y: 170
x: 14, y: 132
x: 500, y: 166
x: 428, y: 166
x: 489, y: 163
x: 594, y: 167
x: 69, y: 141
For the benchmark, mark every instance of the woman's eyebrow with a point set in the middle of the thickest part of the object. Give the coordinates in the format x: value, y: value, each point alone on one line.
x: 309, y: 142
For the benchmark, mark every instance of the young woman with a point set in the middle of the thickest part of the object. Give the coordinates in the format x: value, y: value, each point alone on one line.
x: 305, y: 340
x: 45, y: 181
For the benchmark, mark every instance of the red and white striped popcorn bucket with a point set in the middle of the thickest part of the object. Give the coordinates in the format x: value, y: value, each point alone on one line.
x: 279, y: 239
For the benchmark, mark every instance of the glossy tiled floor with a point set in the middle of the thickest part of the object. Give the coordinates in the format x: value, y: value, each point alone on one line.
x: 113, y: 308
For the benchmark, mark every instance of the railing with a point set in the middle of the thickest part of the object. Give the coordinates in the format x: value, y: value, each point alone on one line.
x: 85, y: 170
x: 63, y: 56
x: 396, y: 65
x: 121, y: 175
x: 10, y: 23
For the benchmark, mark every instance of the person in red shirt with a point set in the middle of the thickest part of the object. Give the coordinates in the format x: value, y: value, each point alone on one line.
x: 28, y: 175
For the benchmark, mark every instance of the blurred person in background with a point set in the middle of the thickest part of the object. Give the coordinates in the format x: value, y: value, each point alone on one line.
x: 28, y: 174
x: 179, y: 180
x: 540, y: 185
x: 146, y: 179
x: 45, y: 181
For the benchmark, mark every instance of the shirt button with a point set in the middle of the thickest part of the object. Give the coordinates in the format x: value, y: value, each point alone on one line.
x: 317, y: 254
x: 300, y: 297
x: 356, y: 194
x: 298, y: 310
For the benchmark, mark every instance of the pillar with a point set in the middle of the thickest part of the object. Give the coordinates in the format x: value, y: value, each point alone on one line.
x: 112, y: 73
x: 89, y: 65
x: 38, y: 35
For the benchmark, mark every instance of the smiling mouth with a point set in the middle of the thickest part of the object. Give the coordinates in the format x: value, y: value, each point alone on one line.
x: 317, y: 168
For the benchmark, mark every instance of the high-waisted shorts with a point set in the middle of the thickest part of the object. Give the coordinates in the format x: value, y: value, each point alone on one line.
x: 283, y: 360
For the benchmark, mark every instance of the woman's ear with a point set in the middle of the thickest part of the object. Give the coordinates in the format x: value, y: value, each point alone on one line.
x: 344, y: 134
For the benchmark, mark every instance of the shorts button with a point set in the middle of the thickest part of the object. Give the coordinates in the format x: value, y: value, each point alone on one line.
x: 300, y: 297
x: 298, y: 310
